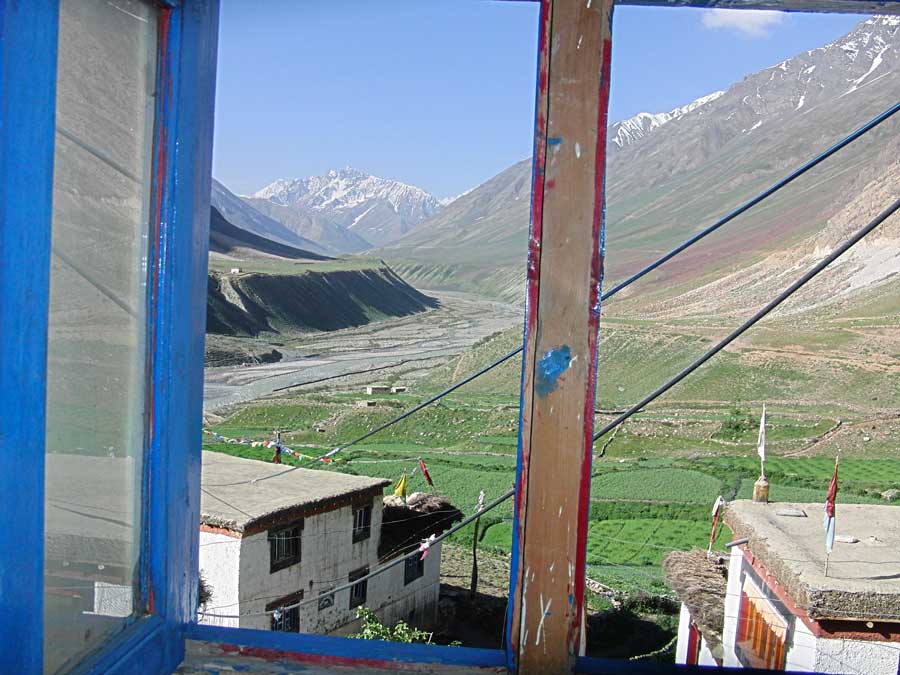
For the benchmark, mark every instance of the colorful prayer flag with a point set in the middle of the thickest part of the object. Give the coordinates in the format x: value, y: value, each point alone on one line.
x: 425, y: 473
x: 761, y: 439
x: 400, y: 488
x: 829, y: 509
x: 425, y: 545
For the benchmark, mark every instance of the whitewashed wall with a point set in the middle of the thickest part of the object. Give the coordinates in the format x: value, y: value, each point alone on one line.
x: 416, y: 603
x: 806, y: 652
x: 732, y: 608
x: 856, y: 656
x: 684, y: 632
x: 220, y: 564
x: 328, y: 556
x: 801, y: 653
x: 705, y: 658
x: 238, y: 571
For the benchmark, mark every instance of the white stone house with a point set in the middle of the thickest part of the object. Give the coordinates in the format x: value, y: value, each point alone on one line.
x: 291, y: 536
x: 780, y: 612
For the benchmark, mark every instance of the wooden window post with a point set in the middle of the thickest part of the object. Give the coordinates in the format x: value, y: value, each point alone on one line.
x: 562, y: 317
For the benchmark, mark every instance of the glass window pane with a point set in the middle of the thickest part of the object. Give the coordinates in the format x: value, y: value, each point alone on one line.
x: 96, y: 382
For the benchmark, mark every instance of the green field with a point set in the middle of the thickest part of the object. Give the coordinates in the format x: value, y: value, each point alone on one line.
x: 651, y: 494
x: 653, y: 488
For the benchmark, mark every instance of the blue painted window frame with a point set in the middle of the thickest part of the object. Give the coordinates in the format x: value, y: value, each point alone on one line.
x: 187, y: 45
x: 171, y: 480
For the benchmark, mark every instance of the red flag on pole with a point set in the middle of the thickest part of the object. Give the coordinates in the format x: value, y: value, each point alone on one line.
x: 425, y: 473
x: 829, y: 509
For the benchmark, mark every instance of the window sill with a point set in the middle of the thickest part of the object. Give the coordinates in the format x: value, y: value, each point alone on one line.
x: 749, y: 658
x: 212, y: 648
x: 283, y: 565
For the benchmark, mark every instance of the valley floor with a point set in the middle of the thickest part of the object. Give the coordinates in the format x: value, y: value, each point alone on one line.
x: 380, y: 352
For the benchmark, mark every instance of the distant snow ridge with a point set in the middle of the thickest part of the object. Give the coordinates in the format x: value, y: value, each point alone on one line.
x: 348, y: 189
x: 375, y: 210
x: 635, y: 128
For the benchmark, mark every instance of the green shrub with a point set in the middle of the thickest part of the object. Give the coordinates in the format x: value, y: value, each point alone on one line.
x: 373, y: 629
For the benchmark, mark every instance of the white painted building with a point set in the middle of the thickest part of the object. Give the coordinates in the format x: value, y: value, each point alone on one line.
x: 293, y: 535
x: 779, y: 610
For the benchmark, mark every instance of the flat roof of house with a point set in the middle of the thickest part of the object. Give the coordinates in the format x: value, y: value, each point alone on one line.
x: 701, y: 584
x: 863, y: 579
x: 278, y: 493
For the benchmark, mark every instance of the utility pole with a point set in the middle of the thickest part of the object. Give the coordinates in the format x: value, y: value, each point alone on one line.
x: 473, y: 585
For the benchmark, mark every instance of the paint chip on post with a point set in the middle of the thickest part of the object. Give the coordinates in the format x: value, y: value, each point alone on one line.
x: 550, y: 369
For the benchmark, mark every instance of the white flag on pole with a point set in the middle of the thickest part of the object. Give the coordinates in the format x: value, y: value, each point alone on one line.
x: 761, y: 439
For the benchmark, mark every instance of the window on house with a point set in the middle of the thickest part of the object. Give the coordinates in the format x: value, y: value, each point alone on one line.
x: 358, y: 590
x: 414, y: 567
x: 285, y: 547
x: 762, y: 631
x: 362, y: 522
x: 284, y: 617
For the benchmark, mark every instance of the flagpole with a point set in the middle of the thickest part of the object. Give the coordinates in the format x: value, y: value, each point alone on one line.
x: 761, y: 486
x: 762, y: 452
x: 831, y: 497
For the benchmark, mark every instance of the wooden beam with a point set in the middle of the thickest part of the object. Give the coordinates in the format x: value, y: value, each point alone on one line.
x: 562, y: 317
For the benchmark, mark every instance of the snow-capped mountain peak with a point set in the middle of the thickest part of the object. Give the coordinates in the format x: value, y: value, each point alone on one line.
x: 635, y: 128
x: 345, y: 188
x: 862, y: 57
x: 378, y: 209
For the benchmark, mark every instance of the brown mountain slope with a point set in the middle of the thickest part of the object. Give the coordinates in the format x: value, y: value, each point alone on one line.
x: 677, y: 177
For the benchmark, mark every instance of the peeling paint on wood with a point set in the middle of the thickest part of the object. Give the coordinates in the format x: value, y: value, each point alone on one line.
x: 550, y: 368
x: 564, y: 272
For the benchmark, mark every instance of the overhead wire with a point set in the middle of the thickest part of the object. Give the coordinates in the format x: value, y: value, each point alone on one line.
x: 784, y: 295
x: 749, y: 323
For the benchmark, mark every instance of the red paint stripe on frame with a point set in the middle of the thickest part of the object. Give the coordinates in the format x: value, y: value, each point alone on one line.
x: 593, y: 336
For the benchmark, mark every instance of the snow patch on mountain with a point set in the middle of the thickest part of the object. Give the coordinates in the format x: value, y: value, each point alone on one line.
x: 377, y: 209
x: 635, y: 128
x: 346, y: 189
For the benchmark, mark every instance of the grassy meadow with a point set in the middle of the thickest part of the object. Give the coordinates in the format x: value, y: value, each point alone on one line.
x: 830, y: 387
x: 653, y: 488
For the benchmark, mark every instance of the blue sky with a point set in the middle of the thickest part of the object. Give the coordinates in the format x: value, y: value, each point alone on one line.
x: 440, y: 93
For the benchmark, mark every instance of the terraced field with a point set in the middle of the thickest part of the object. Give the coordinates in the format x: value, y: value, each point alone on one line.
x: 651, y: 493
x: 829, y: 388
